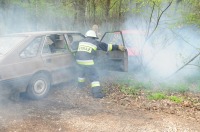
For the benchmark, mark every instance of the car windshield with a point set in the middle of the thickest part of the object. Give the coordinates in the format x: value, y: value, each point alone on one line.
x: 8, y: 43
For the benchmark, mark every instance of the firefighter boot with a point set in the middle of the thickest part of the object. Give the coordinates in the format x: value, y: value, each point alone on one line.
x: 97, y: 92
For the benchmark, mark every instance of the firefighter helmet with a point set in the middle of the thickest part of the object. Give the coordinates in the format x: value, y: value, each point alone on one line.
x: 91, y: 33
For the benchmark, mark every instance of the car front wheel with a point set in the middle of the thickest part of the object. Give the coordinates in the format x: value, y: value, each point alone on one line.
x: 39, y: 86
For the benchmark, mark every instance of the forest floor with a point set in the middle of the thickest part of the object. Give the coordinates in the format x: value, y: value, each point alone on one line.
x: 69, y: 110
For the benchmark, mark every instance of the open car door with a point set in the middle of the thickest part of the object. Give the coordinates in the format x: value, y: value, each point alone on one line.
x: 113, y: 60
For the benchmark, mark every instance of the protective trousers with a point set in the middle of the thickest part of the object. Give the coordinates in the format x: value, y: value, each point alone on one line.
x: 91, y: 73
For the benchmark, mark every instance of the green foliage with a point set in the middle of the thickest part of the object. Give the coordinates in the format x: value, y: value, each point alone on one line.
x: 157, y: 96
x: 129, y: 80
x: 57, y: 12
x: 132, y: 86
x: 176, y: 99
x: 136, y: 84
x: 181, y: 87
x: 161, y: 96
x: 129, y: 90
x: 191, y: 15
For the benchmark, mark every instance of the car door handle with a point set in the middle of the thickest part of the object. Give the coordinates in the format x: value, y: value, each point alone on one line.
x: 48, y: 60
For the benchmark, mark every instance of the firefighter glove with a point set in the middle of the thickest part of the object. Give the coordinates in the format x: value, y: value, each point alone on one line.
x: 121, y: 47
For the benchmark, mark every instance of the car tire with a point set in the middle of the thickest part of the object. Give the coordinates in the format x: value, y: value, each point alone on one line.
x: 39, y: 86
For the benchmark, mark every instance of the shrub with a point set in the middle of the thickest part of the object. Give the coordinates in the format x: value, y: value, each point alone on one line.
x: 157, y: 96
x: 176, y: 99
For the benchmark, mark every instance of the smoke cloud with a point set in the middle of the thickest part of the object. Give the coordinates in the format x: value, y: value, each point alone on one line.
x: 167, y: 49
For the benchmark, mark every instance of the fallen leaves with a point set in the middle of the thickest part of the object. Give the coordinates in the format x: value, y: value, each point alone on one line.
x: 188, y: 106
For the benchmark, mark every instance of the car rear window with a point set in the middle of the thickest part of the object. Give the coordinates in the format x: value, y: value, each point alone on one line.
x: 8, y: 43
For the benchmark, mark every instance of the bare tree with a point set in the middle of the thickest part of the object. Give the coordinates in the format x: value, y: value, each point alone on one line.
x: 158, y: 19
x: 120, y: 8
x: 36, y: 15
x: 80, y: 10
x: 107, y: 14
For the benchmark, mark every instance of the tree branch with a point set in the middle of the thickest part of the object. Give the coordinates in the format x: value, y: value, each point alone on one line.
x: 178, y: 35
x: 150, y: 19
x: 194, y: 65
x: 113, y: 5
x: 185, y: 64
x: 159, y: 17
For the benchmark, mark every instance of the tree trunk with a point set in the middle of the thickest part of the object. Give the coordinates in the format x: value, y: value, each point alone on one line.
x: 80, y: 10
x: 36, y: 15
x: 94, y: 11
x: 120, y: 8
x: 107, y: 14
x: 177, y: 4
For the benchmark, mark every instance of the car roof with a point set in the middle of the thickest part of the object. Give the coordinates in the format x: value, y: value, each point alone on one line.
x: 39, y: 33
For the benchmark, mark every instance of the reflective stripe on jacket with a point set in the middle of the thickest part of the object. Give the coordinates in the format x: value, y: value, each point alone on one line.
x: 87, y: 48
x: 95, y: 84
x: 85, y: 62
x: 80, y: 79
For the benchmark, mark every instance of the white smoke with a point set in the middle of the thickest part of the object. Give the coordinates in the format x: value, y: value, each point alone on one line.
x: 167, y: 49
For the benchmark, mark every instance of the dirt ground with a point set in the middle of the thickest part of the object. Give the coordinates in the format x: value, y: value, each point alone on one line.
x: 69, y: 110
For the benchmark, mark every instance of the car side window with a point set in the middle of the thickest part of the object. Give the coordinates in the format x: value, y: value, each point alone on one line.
x: 112, y: 38
x: 32, y: 49
x: 54, y: 44
x: 72, y: 37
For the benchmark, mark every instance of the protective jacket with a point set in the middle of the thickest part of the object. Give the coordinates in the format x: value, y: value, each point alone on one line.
x: 86, y: 50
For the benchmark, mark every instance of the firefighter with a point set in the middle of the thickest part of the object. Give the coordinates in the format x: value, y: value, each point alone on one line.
x: 85, y: 55
x: 95, y: 28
